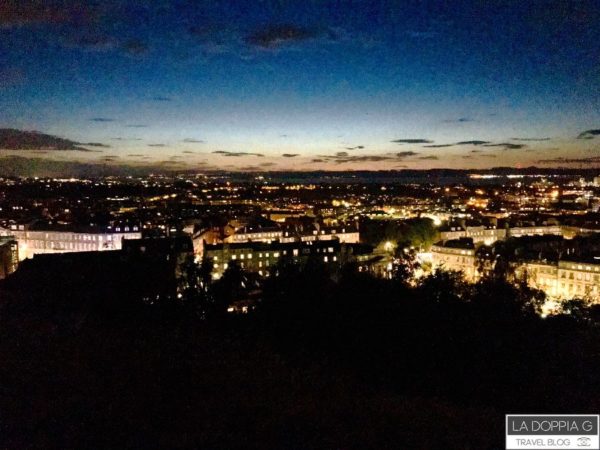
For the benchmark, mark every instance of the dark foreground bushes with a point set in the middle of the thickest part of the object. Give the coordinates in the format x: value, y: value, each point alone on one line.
x: 356, y: 363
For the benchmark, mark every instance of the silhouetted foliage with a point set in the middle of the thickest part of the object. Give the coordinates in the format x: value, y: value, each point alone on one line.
x: 350, y: 362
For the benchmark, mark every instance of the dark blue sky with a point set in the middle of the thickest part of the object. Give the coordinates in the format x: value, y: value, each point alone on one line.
x: 307, y: 84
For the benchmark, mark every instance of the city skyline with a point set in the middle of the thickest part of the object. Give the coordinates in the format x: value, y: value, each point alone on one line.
x: 311, y: 86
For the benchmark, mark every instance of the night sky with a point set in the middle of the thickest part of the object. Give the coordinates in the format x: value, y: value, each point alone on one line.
x: 305, y: 85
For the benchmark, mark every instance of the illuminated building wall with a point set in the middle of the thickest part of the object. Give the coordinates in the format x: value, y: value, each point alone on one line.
x: 460, y: 259
x: 34, y: 242
x: 564, y: 280
x: 9, y: 256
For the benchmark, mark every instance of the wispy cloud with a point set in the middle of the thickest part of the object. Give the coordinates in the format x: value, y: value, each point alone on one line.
x: 156, y: 145
x: 589, y: 134
x: 429, y: 158
x: 459, y: 120
x: 237, y: 154
x: 412, y: 141
x: 474, y: 142
x: 136, y: 125
x: 406, y: 154
x: 12, y: 139
x: 135, y: 47
x: 507, y: 146
x: 18, y: 13
x: 101, y: 119
x: 192, y: 141
x: 531, y: 139
x: 290, y: 155
x: 561, y: 160
x: 275, y: 35
x: 95, y: 144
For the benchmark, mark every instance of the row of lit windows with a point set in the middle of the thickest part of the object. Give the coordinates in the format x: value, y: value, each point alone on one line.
x: 579, y: 276
x: 266, y: 263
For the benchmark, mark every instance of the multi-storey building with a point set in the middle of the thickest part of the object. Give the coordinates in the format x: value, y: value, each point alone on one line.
x: 345, y: 233
x: 479, y: 234
x: 255, y: 233
x: 489, y: 235
x: 34, y: 240
x: 565, y: 279
x: 458, y: 255
x: 262, y: 257
x: 9, y: 256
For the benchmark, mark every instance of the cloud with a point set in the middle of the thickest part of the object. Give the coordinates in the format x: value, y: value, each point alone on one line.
x: 237, y: 154
x: 341, y: 154
x: 267, y: 164
x: 406, y: 154
x: 438, y: 145
x: 589, y: 134
x: 18, y: 13
x: 135, y: 47
x: 506, y: 146
x: 472, y: 142
x: 590, y: 160
x: 135, y: 155
x: 101, y: 119
x: 192, y: 141
x: 430, y: 158
x: 272, y: 36
x: 412, y: 141
x: 367, y: 158
x: 358, y: 147
x: 459, y: 120
x: 156, y: 145
x: 189, y: 152
x: 290, y: 155
x: 95, y: 144
x: 12, y: 139
x: 317, y: 160
x: 136, y: 125
x: 531, y: 139
x: 126, y: 139
x: 96, y: 42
